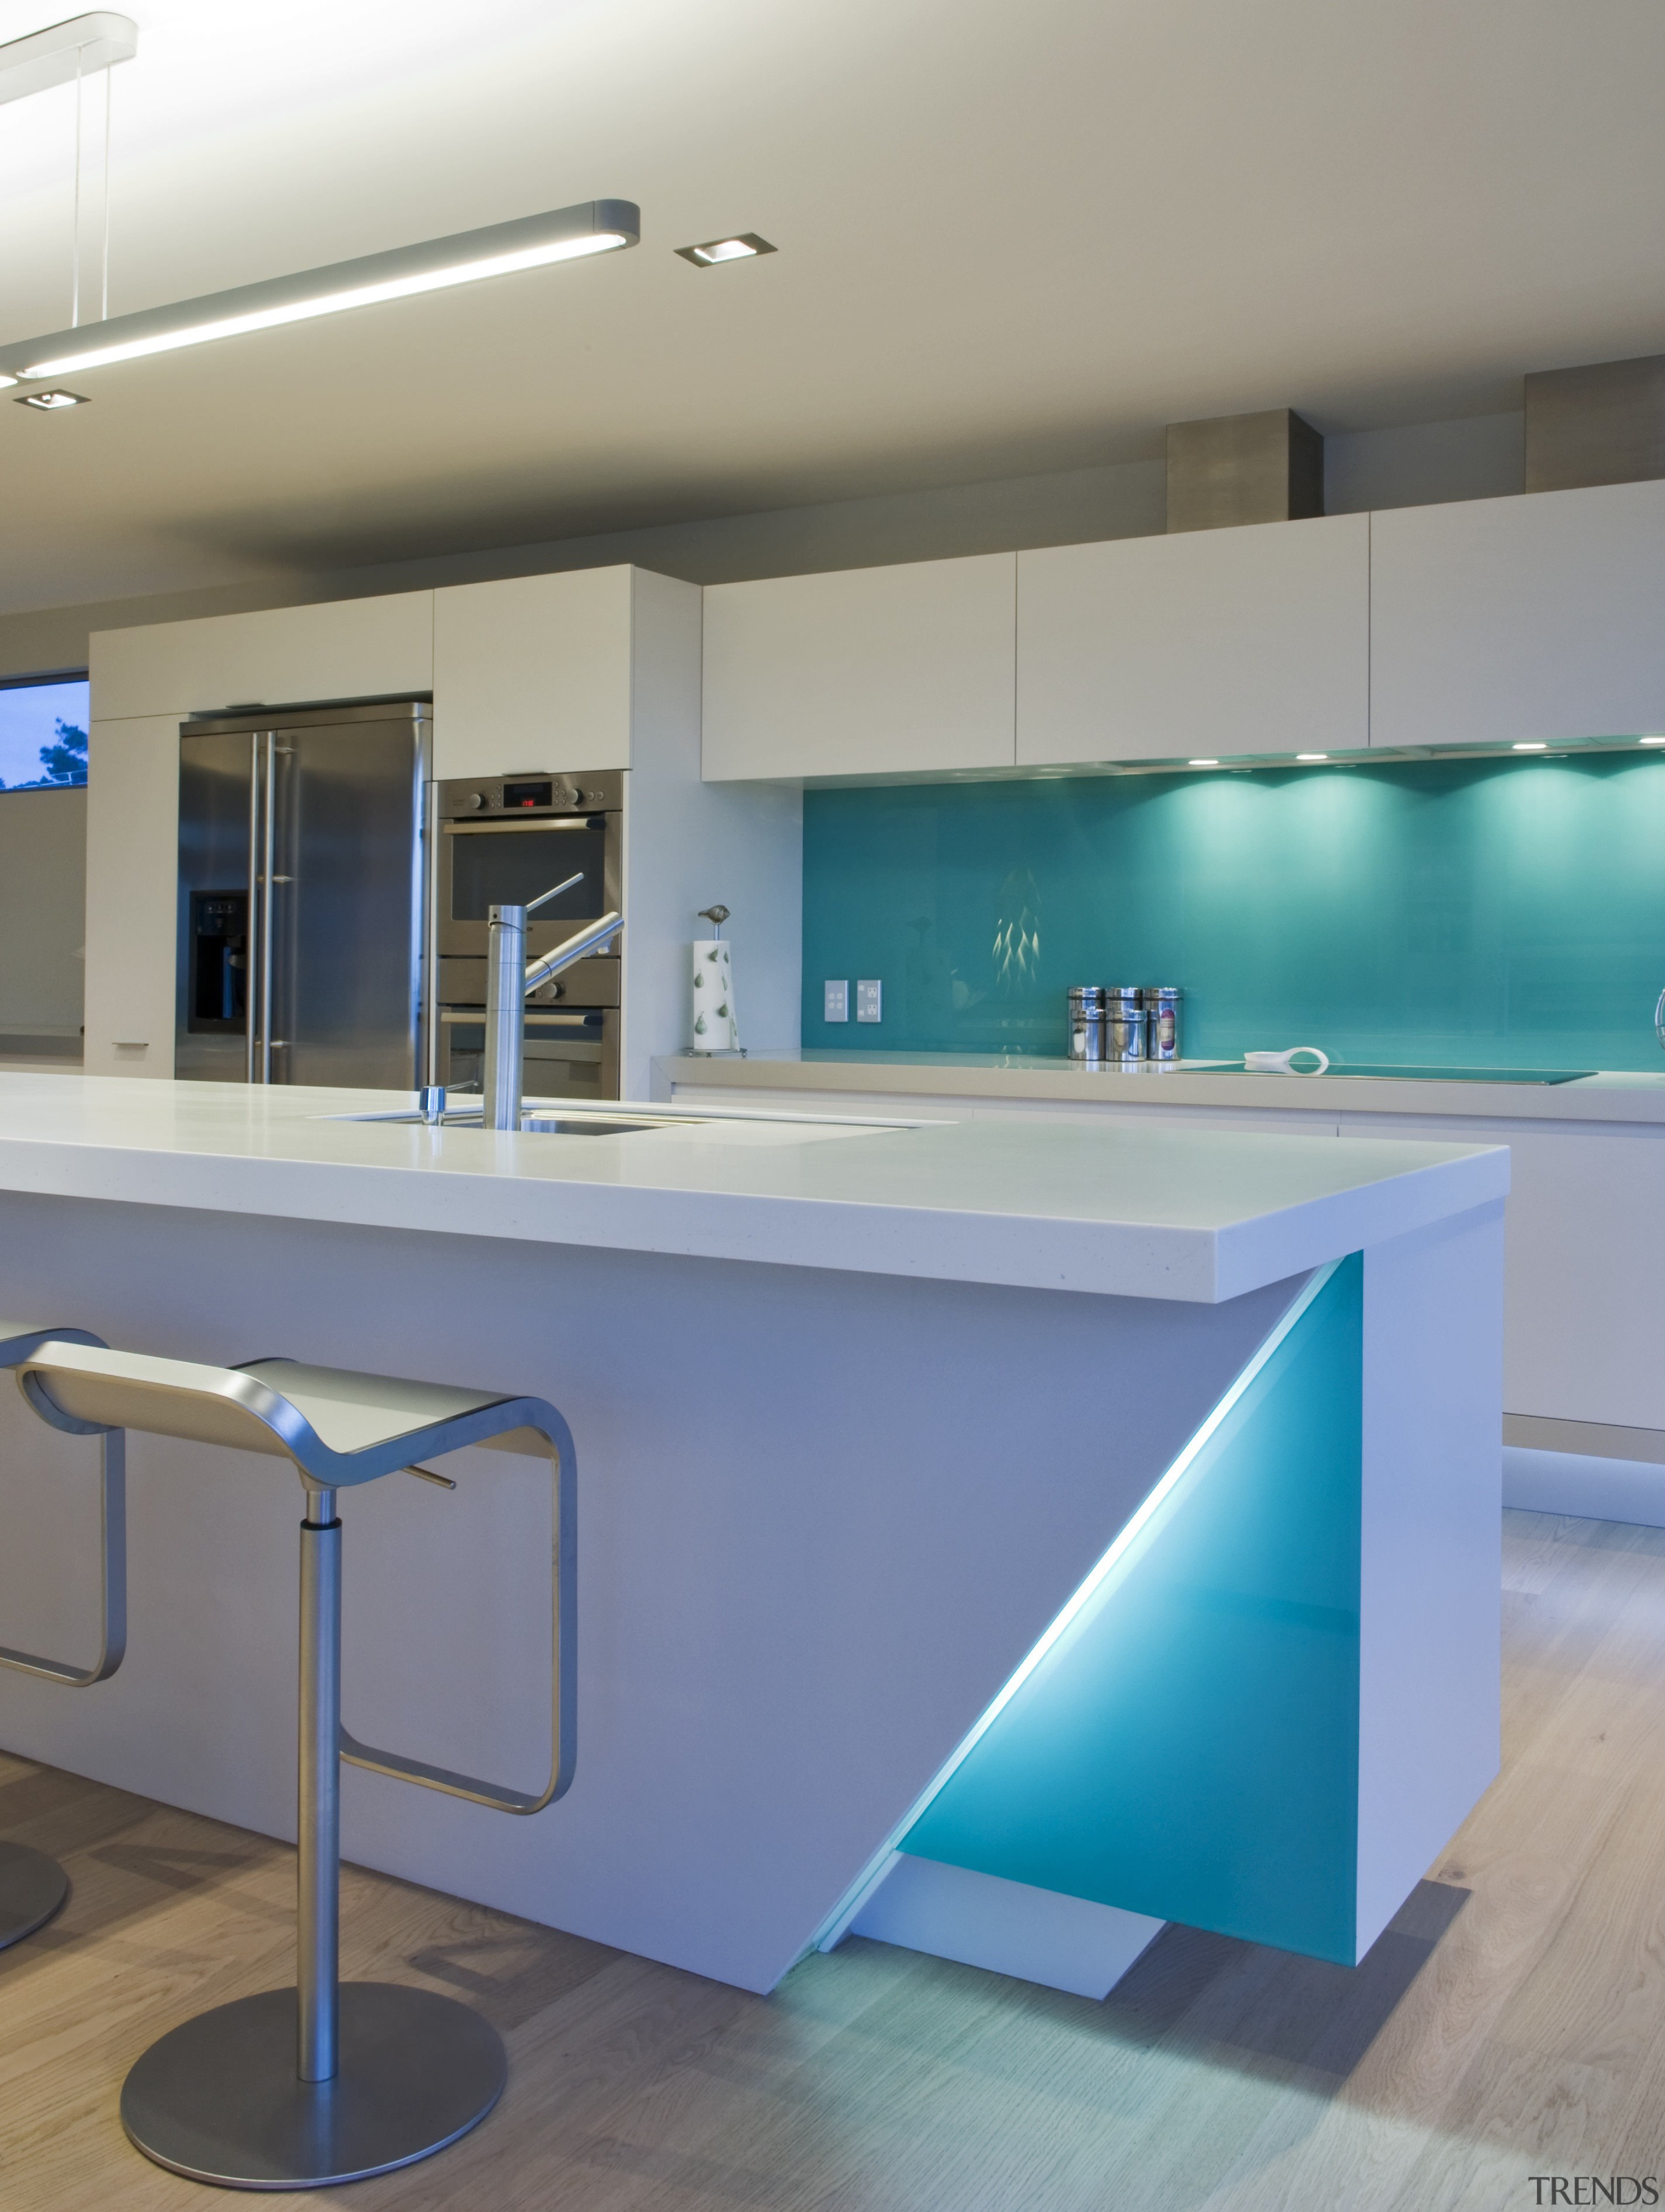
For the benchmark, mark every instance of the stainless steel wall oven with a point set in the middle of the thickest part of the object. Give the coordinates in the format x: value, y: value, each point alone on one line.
x: 502, y: 841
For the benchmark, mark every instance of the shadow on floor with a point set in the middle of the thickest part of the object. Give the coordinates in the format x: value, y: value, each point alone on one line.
x: 1242, y: 2004
x: 513, y: 1971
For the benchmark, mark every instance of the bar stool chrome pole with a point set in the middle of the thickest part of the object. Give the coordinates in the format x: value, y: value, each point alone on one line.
x: 318, y: 1947
x: 33, y: 1887
x: 325, y: 2082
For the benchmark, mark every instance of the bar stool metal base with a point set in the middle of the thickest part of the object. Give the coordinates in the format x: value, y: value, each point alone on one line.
x: 32, y: 1889
x: 218, y: 2099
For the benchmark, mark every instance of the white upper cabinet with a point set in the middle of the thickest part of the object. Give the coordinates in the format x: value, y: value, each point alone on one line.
x: 1254, y: 639
x: 346, y: 649
x: 534, y: 672
x: 863, y: 671
x: 1497, y: 621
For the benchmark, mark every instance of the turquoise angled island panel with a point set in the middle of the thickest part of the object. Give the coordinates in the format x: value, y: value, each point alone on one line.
x: 1187, y: 1745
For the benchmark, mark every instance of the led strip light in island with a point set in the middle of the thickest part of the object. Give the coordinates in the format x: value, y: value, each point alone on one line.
x: 533, y: 241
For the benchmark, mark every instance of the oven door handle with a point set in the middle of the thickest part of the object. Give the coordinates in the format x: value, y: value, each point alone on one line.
x: 588, y: 1017
x: 545, y: 821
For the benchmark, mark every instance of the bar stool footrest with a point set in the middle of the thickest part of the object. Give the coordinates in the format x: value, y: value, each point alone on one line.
x: 218, y: 2098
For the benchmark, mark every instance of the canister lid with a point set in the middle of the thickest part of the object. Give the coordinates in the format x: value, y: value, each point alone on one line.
x: 1086, y: 994
x: 1163, y: 991
x: 1125, y: 994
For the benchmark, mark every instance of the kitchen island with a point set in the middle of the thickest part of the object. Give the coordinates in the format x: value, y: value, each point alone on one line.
x: 998, y: 1538
x: 1584, y: 1386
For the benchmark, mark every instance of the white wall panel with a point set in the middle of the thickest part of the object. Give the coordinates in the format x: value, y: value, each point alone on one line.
x: 690, y: 844
x: 133, y: 894
x: 43, y: 893
x: 1431, y: 1538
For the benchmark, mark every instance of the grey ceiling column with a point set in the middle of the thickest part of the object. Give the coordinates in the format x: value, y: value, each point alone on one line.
x: 1229, y: 469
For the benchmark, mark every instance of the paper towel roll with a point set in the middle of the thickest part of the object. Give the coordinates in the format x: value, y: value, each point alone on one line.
x: 711, y: 994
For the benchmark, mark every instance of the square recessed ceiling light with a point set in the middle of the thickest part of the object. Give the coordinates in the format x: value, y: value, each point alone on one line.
x: 744, y: 246
x: 49, y: 403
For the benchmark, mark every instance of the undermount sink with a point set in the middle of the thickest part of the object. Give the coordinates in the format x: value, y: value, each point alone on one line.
x: 544, y: 1121
x: 611, y: 1125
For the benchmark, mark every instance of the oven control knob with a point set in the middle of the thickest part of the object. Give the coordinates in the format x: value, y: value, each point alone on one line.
x: 546, y: 994
x: 567, y: 794
x: 477, y: 799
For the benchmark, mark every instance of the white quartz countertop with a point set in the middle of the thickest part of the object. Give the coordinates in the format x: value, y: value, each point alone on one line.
x: 1129, y: 1209
x: 1616, y: 1095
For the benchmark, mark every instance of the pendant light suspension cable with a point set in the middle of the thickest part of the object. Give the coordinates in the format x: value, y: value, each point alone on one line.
x: 103, y: 194
x: 75, y: 216
x: 38, y: 63
x: 103, y: 288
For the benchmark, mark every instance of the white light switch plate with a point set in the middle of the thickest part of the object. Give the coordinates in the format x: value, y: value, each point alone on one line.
x: 868, y: 1000
x: 836, y: 1002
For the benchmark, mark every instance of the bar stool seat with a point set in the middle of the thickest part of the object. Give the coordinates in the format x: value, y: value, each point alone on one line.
x: 33, y: 1887
x: 324, y: 2083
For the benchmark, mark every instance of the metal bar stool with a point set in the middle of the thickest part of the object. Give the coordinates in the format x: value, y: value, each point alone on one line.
x: 323, y: 2083
x: 32, y: 1886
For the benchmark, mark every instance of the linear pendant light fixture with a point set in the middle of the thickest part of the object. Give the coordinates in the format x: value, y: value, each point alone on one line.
x: 58, y: 55
x: 533, y: 241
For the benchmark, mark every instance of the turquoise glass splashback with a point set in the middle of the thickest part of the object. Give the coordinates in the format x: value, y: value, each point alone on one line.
x: 1499, y: 914
x: 1189, y: 1747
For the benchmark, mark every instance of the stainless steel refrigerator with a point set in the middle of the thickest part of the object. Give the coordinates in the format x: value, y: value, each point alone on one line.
x: 301, y: 924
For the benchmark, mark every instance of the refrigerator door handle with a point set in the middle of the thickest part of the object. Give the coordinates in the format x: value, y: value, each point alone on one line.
x: 428, y: 877
x: 251, y: 970
x: 268, y: 854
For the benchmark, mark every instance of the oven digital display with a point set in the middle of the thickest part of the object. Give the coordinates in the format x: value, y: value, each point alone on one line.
x: 528, y: 794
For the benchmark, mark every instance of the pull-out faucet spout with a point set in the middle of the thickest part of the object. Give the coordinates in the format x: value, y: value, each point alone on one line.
x: 511, y: 979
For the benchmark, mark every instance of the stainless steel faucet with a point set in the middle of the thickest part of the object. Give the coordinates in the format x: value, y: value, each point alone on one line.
x: 511, y: 979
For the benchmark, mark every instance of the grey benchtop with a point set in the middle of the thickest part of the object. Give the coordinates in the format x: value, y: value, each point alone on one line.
x: 1615, y: 1096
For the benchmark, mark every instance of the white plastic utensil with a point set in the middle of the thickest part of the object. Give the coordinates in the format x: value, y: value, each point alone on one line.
x: 1282, y: 1063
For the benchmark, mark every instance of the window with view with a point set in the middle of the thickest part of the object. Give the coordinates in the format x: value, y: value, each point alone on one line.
x: 43, y: 734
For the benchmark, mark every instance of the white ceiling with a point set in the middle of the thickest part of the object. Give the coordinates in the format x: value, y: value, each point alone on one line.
x: 1014, y: 235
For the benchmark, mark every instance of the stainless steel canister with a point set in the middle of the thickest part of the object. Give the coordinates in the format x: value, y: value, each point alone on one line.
x: 1125, y: 1032
x: 1086, y: 1002
x: 1162, y: 1002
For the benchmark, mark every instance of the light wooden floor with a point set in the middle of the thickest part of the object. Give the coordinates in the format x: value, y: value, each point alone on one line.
x: 1511, y: 2023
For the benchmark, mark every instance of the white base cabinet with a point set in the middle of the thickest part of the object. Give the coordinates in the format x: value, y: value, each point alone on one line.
x: 1585, y: 1255
x: 1586, y: 1263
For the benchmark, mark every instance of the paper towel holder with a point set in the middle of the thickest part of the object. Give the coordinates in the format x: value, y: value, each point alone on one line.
x: 716, y: 914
